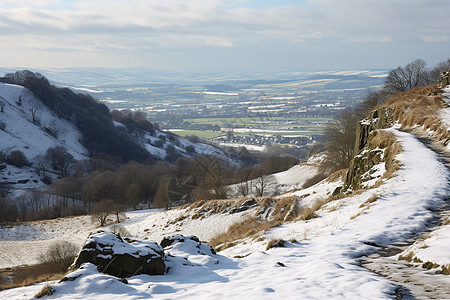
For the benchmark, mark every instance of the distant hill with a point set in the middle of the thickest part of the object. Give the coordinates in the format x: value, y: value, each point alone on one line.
x: 35, y: 115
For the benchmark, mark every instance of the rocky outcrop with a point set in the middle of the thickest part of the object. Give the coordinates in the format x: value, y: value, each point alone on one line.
x: 445, y: 79
x: 378, y: 119
x: 367, y: 155
x: 121, y: 258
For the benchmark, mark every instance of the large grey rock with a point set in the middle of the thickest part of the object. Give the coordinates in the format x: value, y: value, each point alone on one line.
x: 115, y: 256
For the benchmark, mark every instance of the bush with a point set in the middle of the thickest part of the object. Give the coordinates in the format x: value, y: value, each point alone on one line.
x: 60, y: 254
x: 8, y: 210
x: 17, y: 158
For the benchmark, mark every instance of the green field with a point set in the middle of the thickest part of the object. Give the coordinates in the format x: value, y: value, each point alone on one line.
x: 203, y: 134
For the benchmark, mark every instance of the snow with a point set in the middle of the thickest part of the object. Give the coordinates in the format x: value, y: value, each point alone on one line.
x: 433, y: 248
x: 322, y: 264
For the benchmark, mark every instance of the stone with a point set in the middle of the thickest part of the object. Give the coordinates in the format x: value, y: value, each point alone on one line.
x: 191, y: 241
x: 115, y: 256
x: 244, y: 206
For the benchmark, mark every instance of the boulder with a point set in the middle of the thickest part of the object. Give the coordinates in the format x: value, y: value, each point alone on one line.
x: 115, y: 256
x: 191, y: 242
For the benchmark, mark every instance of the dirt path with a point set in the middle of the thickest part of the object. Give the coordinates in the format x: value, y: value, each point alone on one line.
x: 414, y: 281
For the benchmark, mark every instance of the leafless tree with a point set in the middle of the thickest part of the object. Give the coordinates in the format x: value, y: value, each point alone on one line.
x: 8, y: 210
x: 2, y: 105
x: 34, y: 108
x: 261, y: 184
x: 244, y: 187
x: 60, y: 159
x: 40, y: 164
x: 405, y: 78
x: 340, y: 138
x: 162, y: 199
x: 102, y: 210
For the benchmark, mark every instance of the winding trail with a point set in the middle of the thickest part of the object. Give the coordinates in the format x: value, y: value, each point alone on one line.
x: 414, y: 281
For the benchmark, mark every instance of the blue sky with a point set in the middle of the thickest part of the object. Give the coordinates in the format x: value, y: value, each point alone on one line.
x: 221, y: 35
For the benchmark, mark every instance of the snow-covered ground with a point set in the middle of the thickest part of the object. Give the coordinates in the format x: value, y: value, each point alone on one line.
x: 323, y: 264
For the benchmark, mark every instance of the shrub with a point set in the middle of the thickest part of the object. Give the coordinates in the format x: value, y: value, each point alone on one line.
x: 60, y: 254
x: 17, y: 158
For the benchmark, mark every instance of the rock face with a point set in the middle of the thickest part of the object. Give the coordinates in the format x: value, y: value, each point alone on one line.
x: 367, y: 156
x: 445, y: 79
x: 378, y: 119
x: 115, y: 256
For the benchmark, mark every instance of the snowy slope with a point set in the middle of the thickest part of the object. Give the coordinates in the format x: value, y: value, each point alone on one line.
x: 21, y: 133
x: 30, y: 138
x: 322, y: 264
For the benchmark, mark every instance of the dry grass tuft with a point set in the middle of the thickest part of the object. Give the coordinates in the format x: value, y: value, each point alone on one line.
x: 369, y: 201
x: 408, y: 257
x: 47, y: 290
x: 445, y: 269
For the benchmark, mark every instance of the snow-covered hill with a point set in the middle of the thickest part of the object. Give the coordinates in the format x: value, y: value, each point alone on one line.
x: 32, y: 135
x: 321, y: 262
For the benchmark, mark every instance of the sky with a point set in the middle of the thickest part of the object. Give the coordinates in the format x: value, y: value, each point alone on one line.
x: 223, y: 35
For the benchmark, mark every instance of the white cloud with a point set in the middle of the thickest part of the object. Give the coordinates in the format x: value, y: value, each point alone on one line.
x: 179, y: 25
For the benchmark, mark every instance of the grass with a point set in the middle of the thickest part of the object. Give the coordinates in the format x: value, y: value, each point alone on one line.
x: 420, y: 106
x: 47, y: 290
x: 281, y: 210
x: 28, y: 275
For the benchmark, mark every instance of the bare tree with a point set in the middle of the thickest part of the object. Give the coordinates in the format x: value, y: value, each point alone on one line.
x: 102, y: 210
x: 261, y: 184
x: 60, y: 159
x: 403, y: 79
x: 40, y: 164
x: 162, y: 199
x: 261, y: 181
x: 2, y: 105
x: 33, y: 108
x: 8, y: 210
x: 244, y: 188
x: 340, y: 137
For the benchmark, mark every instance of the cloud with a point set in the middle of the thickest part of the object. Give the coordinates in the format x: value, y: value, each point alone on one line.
x: 181, y: 25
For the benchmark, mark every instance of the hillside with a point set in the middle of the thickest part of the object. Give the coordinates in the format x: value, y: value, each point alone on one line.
x: 377, y: 231
x: 83, y: 127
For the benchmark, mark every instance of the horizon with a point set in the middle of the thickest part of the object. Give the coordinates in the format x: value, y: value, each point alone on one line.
x: 217, y: 36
